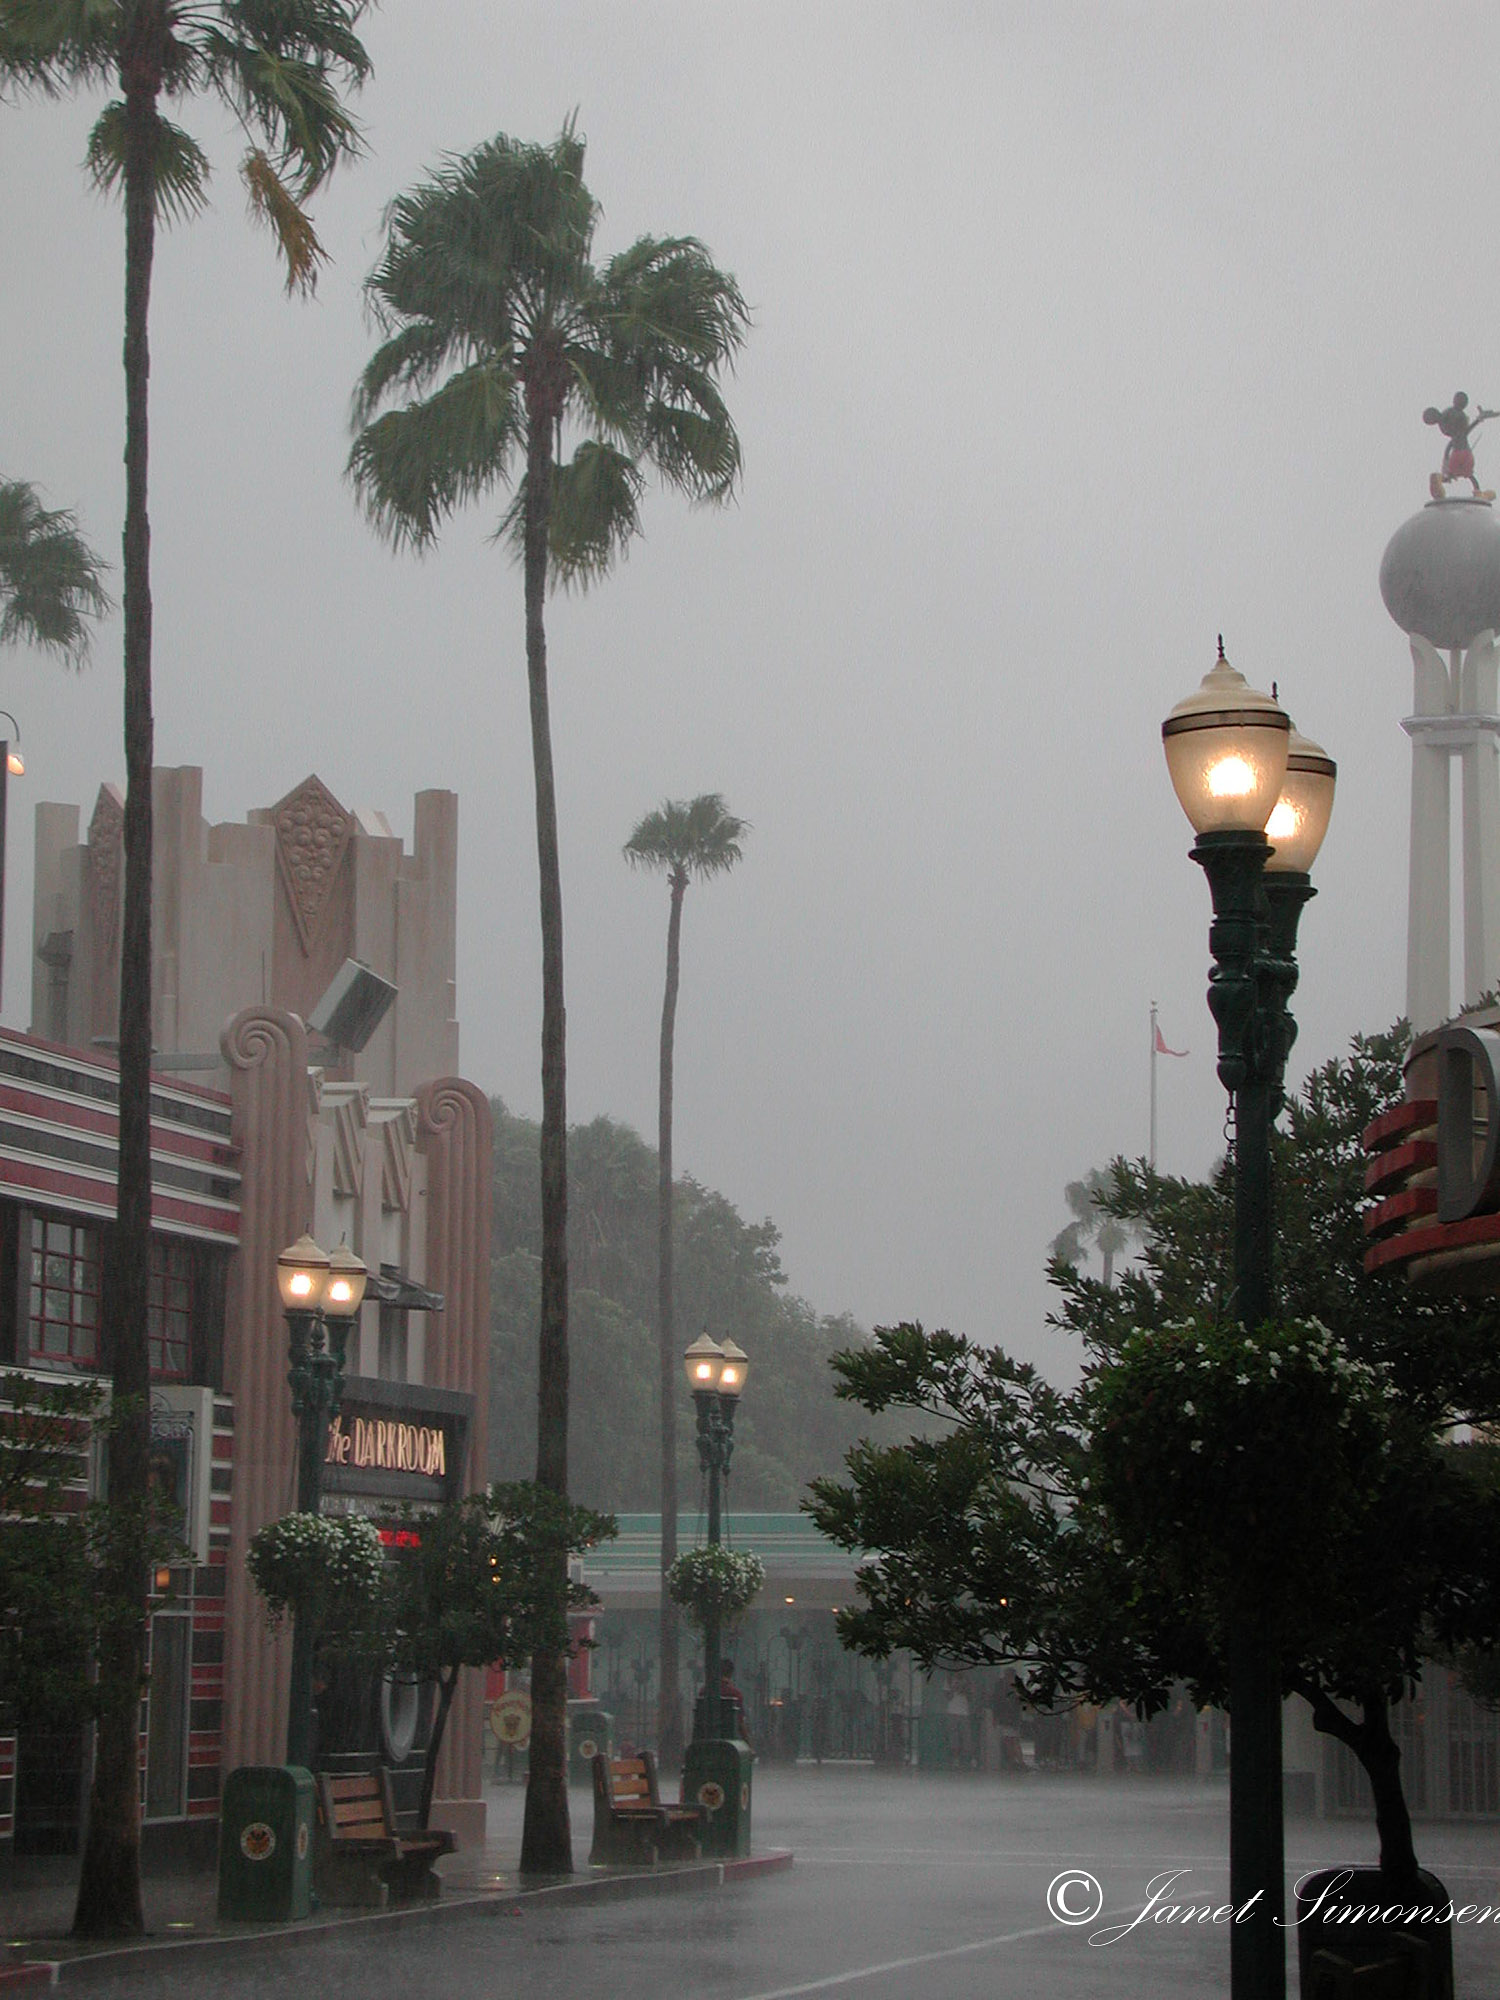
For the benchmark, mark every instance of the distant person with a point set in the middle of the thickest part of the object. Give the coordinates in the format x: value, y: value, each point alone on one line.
x: 729, y: 1692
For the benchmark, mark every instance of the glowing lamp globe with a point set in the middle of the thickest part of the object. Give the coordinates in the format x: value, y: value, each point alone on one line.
x: 301, y: 1272
x: 344, y: 1291
x: 733, y: 1369
x: 1300, y: 819
x: 1226, y: 746
x: 701, y: 1363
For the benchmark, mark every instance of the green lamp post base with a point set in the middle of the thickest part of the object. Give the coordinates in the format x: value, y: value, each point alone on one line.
x: 716, y: 1778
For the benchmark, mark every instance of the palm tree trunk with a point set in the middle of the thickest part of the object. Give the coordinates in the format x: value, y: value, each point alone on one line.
x: 109, y: 1885
x: 669, y: 1707
x: 546, y: 1840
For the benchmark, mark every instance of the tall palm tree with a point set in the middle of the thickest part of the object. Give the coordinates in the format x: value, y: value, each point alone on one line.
x: 278, y: 66
x: 50, y: 579
x: 686, y: 838
x: 1091, y: 1218
x: 509, y: 345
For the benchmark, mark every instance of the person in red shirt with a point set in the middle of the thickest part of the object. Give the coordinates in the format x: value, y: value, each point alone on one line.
x: 729, y: 1692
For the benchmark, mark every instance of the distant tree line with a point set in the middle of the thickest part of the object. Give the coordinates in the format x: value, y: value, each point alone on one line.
x: 729, y: 1279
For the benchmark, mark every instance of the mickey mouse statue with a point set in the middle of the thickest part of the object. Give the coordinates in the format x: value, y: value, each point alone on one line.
x: 1457, y: 426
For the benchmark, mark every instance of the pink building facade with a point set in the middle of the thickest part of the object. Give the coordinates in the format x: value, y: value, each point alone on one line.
x: 261, y: 1131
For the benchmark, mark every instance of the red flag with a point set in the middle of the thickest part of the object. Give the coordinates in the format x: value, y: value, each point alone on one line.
x: 1163, y: 1050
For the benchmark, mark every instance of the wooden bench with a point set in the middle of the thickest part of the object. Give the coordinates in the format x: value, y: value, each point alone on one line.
x: 631, y: 1825
x: 359, y: 1856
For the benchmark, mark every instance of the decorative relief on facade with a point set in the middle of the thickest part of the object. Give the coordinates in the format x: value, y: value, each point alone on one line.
x: 106, y: 866
x: 312, y: 832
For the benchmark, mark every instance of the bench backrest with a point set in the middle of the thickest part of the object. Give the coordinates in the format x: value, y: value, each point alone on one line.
x: 357, y: 1807
x: 623, y: 1782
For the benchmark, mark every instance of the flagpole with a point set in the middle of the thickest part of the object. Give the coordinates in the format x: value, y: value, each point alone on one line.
x: 1151, y: 1156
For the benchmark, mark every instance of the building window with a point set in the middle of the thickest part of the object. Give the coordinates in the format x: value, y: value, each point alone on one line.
x: 169, y: 1310
x: 64, y: 1306
x: 64, y: 1309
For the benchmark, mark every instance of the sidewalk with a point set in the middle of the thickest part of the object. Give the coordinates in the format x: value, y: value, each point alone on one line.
x: 36, y: 1903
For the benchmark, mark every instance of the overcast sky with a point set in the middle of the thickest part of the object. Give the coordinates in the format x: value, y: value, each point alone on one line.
x: 1081, y: 335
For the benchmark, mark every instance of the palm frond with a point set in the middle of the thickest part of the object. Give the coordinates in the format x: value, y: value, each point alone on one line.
x: 665, y: 297
x: 410, y: 359
x: 50, y: 579
x: 284, y: 86
x: 179, y: 167
x: 54, y: 46
x: 689, y: 836
x: 693, y: 444
x: 667, y: 322
x: 595, y: 513
x: 489, y: 244
x: 414, y: 465
x: 273, y: 202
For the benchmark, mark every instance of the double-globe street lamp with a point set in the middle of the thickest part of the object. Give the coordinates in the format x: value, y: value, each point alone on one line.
x: 12, y: 765
x: 321, y: 1296
x: 716, y: 1375
x: 1259, y: 797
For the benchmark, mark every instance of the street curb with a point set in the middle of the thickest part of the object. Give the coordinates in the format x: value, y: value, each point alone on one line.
x: 612, y: 1886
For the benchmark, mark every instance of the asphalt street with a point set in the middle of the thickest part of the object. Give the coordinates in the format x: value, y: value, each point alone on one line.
x: 904, y: 1888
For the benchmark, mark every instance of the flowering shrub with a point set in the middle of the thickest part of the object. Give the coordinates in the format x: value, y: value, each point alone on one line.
x: 329, y: 1568
x: 1234, y: 1462
x: 715, y: 1579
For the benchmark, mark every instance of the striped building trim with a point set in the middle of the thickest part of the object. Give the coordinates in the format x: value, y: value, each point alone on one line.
x: 59, y: 1126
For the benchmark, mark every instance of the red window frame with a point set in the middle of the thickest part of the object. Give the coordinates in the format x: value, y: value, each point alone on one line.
x: 64, y: 1308
x: 63, y: 1303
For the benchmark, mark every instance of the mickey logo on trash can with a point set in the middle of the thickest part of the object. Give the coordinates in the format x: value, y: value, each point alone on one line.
x: 257, y: 1841
x: 710, y: 1795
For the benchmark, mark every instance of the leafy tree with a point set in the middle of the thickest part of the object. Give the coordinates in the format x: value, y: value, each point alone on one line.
x: 684, y: 838
x: 278, y: 66
x: 728, y: 1276
x: 505, y: 337
x: 58, y: 1551
x: 50, y: 579
x: 1441, y: 1348
x: 477, y: 1582
x: 1101, y: 1539
x: 47, y: 1580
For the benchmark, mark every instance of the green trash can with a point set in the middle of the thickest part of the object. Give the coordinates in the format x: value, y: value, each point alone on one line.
x: 590, y: 1733
x: 716, y: 1779
x: 265, y: 1844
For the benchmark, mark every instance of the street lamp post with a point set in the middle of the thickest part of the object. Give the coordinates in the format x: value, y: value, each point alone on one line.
x: 716, y: 1375
x: 321, y: 1297
x: 12, y: 765
x: 1259, y: 797
x: 716, y: 1774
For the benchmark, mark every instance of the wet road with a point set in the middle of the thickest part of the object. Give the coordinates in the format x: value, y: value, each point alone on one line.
x: 904, y: 1888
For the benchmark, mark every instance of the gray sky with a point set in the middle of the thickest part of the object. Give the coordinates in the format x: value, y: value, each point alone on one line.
x: 1081, y: 335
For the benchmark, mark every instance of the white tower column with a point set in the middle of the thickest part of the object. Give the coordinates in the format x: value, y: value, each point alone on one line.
x: 1430, y: 881
x: 1455, y: 716
x: 1440, y: 578
x: 1481, y: 825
